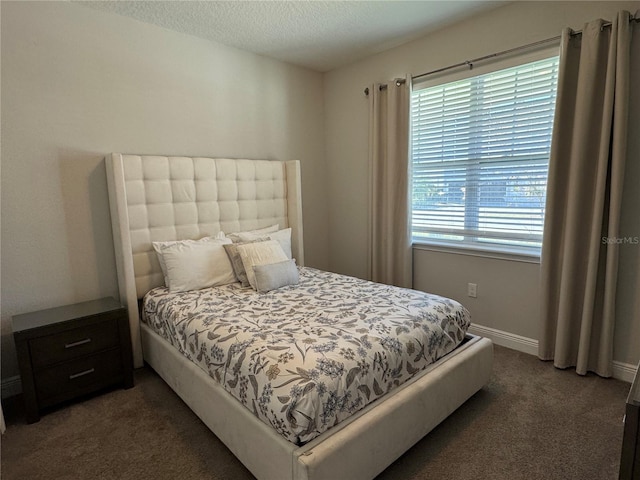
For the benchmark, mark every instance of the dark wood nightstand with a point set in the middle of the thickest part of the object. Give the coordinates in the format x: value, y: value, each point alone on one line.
x: 73, y: 350
x: 630, y: 457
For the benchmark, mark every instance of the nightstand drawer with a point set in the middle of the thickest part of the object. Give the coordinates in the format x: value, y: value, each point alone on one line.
x: 74, y: 343
x: 84, y: 375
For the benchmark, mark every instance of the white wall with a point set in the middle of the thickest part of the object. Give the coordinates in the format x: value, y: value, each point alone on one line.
x: 78, y: 84
x: 517, y: 282
x: 507, y: 291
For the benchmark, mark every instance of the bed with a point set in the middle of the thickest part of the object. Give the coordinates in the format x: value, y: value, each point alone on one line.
x: 164, y: 199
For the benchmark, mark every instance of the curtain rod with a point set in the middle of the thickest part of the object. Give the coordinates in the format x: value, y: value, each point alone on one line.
x: 383, y: 86
x: 470, y: 63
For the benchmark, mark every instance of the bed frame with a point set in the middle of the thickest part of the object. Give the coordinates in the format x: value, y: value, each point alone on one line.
x: 155, y: 198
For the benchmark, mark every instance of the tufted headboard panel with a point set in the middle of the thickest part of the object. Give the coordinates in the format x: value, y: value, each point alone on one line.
x: 156, y: 198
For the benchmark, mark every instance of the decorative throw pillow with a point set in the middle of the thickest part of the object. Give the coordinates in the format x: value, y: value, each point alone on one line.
x: 236, y: 261
x: 283, y: 237
x: 196, y: 265
x: 276, y: 275
x: 260, y: 253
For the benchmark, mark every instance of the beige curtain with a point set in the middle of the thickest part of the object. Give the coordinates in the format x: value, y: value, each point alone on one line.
x: 580, y: 255
x: 389, y: 227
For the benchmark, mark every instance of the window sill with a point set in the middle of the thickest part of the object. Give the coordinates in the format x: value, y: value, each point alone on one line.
x: 523, y: 257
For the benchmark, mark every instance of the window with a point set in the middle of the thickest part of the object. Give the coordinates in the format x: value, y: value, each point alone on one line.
x: 480, y: 155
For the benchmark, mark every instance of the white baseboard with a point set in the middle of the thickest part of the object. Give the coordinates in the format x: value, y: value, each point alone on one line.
x: 10, y: 387
x: 622, y: 371
x: 506, y: 339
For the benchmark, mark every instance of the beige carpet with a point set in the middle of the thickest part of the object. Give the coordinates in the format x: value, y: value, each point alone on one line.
x: 531, y: 421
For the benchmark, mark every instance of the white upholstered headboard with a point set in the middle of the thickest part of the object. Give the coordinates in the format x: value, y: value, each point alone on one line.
x: 156, y: 198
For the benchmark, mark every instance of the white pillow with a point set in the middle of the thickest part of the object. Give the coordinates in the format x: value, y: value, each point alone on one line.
x: 283, y: 237
x: 260, y: 253
x: 261, y: 232
x: 158, y: 246
x: 196, y: 265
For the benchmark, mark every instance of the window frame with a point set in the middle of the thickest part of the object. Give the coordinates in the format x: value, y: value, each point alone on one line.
x: 518, y: 253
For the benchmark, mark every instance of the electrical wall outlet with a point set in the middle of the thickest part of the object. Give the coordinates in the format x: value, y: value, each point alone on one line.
x: 472, y: 290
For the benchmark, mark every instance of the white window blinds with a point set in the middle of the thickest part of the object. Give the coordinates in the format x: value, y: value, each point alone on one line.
x: 480, y: 155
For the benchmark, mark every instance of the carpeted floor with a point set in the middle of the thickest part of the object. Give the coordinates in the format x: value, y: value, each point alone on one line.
x: 531, y: 421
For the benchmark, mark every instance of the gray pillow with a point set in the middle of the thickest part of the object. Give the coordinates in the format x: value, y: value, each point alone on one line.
x: 236, y: 261
x: 275, y: 275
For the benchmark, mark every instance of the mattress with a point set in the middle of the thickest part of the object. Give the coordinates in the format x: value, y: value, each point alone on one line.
x: 303, y: 358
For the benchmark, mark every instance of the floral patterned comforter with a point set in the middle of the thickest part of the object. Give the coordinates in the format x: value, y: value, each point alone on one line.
x: 302, y: 358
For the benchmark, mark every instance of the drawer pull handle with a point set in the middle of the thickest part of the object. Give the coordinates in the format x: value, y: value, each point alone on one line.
x: 81, y: 374
x: 78, y: 343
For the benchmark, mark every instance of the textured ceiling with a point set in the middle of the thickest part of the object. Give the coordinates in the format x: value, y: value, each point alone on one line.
x: 320, y: 35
